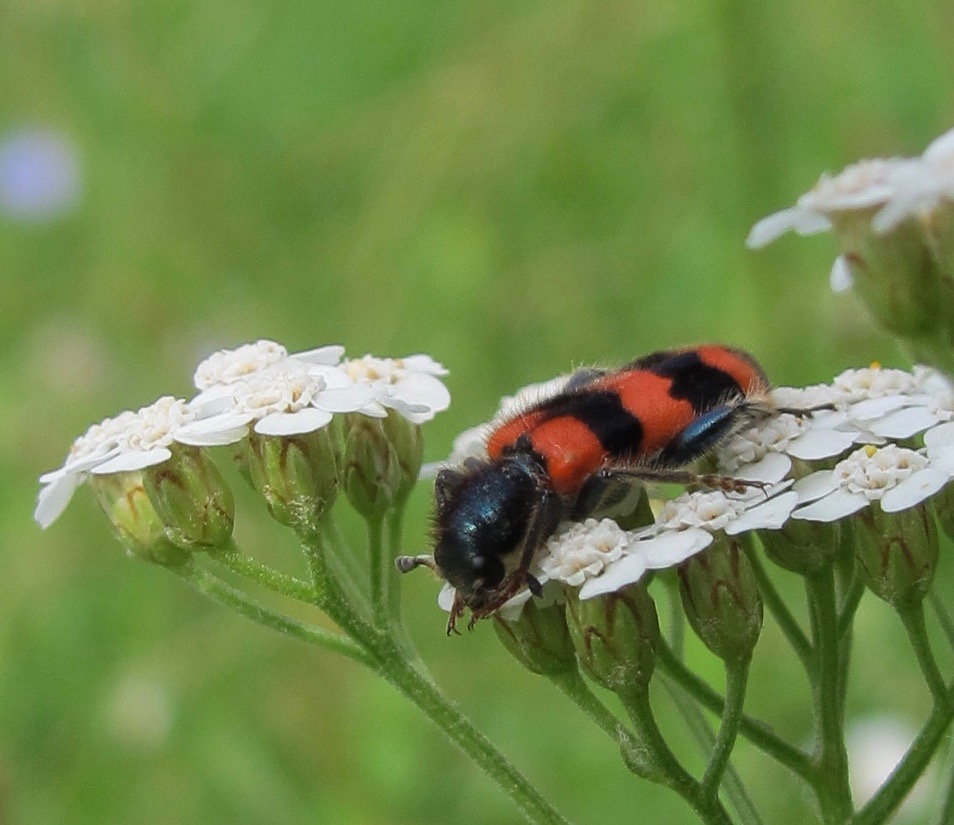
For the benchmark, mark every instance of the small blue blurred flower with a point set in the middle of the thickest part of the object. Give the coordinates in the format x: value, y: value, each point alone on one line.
x: 39, y: 175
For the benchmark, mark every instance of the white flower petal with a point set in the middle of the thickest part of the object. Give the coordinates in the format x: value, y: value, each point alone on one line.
x: 624, y: 571
x: 226, y: 428
x: 445, y: 599
x: 133, y: 460
x: 816, y: 485
x: 423, y: 363
x: 332, y: 377
x: 820, y: 443
x: 872, y: 408
x: 420, y: 388
x: 346, y: 399
x: 776, y: 225
x: 306, y: 420
x: 772, y: 468
x: 840, y: 279
x: 511, y: 609
x: 329, y: 355
x: 53, y: 498
x: 770, y: 515
x: 913, y: 490
x: 374, y: 410
x: 832, y: 507
x: 940, y: 436
x: 904, y: 423
x: 672, y: 547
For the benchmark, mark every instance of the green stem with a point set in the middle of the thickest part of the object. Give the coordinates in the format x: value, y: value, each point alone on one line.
x: 831, y: 779
x: 947, y: 812
x: 345, y: 564
x: 248, y: 568
x: 575, y: 687
x: 736, y: 677
x: 228, y: 596
x: 705, y: 738
x: 912, y: 617
x: 892, y: 793
x: 421, y: 690
x: 755, y: 731
x: 395, y: 534
x: 773, y: 600
x: 943, y: 617
x: 849, y: 606
x: 668, y: 770
x: 677, y: 619
x: 380, y: 571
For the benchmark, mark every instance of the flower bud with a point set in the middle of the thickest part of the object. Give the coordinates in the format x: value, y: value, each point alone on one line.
x: 295, y: 474
x: 802, y: 546
x: 408, y: 445
x: 373, y: 476
x: 721, y: 598
x: 136, y: 522
x: 191, y: 498
x: 894, y: 272
x: 539, y: 639
x: 897, y: 552
x: 615, y: 636
x: 942, y: 503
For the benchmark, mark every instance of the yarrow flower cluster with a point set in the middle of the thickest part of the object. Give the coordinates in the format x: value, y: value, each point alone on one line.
x: 258, y: 387
x: 889, y: 191
x: 847, y: 424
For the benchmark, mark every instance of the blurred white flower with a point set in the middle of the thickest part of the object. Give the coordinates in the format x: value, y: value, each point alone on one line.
x: 39, y: 175
x: 130, y: 441
x: 864, y: 185
x: 875, y: 747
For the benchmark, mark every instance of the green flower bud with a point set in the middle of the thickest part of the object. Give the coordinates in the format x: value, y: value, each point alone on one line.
x: 802, y: 546
x: 942, y: 504
x: 191, y: 498
x: 373, y: 476
x: 296, y: 475
x: 721, y: 598
x: 897, y: 552
x: 408, y: 444
x: 615, y: 637
x: 894, y: 272
x: 136, y: 522
x: 539, y: 639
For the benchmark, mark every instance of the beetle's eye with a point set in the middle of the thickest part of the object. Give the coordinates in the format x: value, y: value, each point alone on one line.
x: 478, y: 563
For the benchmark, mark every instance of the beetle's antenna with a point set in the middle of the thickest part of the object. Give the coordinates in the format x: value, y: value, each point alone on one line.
x: 407, y: 563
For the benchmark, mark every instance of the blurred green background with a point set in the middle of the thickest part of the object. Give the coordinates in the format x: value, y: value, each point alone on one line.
x: 515, y: 188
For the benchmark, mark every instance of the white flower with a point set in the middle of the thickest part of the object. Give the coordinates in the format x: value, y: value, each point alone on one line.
x: 896, y: 477
x: 410, y: 386
x: 130, y: 441
x: 875, y: 747
x: 891, y: 190
x: 685, y: 526
x: 583, y: 550
x: 230, y: 365
x: 920, y: 186
x: 863, y: 185
x: 806, y: 437
x: 280, y: 401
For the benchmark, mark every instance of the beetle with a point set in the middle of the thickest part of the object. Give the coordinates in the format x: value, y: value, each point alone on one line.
x: 647, y: 421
